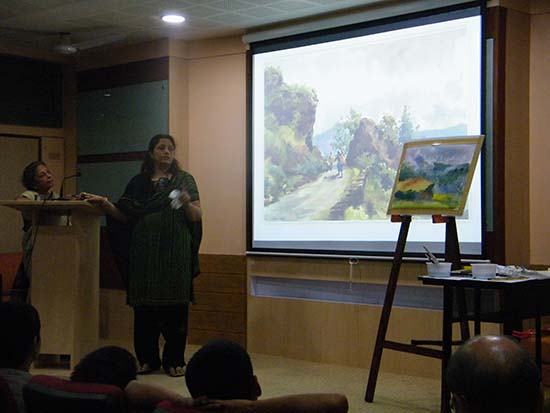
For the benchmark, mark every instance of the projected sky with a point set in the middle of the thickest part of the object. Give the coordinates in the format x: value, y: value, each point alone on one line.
x: 423, y: 67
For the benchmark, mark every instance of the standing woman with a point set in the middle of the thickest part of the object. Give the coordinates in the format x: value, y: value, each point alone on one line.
x: 38, y: 182
x: 163, y: 254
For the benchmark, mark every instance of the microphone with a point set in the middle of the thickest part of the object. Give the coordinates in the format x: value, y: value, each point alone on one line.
x: 76, y: 175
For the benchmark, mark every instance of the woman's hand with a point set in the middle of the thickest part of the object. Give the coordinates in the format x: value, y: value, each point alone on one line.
x: 104, y: 204
x: 192, y: 209
x: 184, y: 198
x: 97, y: 200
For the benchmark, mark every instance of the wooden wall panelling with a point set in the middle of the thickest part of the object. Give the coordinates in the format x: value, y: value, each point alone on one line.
x: 516, y: 121
x: 220, y: 300
x: 16, y: 152
x: 53, y: 153
x: 123, y: 75
x: 496, y: 29
x: 219, y: 282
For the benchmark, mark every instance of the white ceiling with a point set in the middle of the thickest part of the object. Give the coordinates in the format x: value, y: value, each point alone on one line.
x: 36, y: 23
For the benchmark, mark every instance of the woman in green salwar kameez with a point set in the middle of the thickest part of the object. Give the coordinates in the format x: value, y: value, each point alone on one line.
x: 162, y: 254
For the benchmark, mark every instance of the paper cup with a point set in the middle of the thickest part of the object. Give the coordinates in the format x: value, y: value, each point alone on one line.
x: 441, y: 269
x: 484, y: 270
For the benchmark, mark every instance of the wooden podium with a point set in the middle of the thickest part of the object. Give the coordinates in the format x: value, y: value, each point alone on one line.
x: 65, y: 274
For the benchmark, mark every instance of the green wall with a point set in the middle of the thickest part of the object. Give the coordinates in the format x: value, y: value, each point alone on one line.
x: 121, y: 119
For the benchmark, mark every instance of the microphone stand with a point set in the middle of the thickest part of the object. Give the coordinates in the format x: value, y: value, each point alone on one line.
x: 76, y: 175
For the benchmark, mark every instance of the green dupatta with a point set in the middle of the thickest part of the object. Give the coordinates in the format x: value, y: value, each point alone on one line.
x: 163, y: 243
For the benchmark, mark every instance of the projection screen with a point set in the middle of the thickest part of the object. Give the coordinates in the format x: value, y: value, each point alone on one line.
x: 330, y: 112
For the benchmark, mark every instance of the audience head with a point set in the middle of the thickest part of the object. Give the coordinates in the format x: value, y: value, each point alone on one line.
x: 222, y: 370
x: 37, y: 177
x: 494, y: 374
x: 106, y: 365
x: 20, y: 342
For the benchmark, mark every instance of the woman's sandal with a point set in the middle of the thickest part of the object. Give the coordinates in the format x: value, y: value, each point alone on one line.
x: 145, y: 368
x: 175, y: 371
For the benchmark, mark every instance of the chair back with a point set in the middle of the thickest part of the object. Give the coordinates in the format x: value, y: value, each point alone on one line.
x: 167, y: 406
x: 48, y: 394
x: 7, y: 401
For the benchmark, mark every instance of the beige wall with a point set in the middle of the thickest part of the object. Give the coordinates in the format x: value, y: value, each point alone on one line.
x: 217, y: 142
x: 539, y: 142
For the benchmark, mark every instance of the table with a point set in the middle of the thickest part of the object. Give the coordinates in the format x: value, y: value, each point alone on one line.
x: 519, y: 300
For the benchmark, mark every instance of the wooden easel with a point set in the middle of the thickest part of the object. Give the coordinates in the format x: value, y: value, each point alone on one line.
x: 452, y: 254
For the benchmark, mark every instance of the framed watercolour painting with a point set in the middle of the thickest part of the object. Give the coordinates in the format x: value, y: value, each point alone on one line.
x: 434, y: 176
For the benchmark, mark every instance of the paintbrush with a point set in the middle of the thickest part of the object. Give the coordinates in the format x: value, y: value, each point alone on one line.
x: 430, y: 256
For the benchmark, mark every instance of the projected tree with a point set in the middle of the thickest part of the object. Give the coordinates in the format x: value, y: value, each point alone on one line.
x: 291, y: 160
x: 346, y: 173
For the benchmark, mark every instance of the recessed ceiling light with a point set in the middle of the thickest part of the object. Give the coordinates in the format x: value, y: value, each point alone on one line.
x: 173, y: 18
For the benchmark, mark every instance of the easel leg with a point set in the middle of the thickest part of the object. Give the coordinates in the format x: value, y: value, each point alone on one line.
x: 386, y: 309
x: 452, y: 254
x: 452, y: 247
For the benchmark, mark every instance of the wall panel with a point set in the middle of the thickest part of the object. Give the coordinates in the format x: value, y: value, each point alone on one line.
x: 220, y: 300
x: 121, y: 119
x: 15, y: 154
x: 539, y: 142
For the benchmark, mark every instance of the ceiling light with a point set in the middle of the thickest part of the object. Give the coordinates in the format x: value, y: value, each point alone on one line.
x: 173, y: 18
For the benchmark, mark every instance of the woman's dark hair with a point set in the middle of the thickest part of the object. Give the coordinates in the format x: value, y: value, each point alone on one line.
x: 106, y: 365
x: 148, y: 167
x: 28, y: 178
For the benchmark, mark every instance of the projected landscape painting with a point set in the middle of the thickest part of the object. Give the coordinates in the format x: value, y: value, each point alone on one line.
x: 333, y: 133
x: 434, y: 176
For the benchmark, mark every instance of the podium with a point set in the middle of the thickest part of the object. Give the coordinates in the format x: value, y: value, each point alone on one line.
x: 65, y: 274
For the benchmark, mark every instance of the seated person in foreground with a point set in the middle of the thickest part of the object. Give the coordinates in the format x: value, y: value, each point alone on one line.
x: 117, y: 366
x: 19, y: 346
x: 222, y: 370
x: 494, y: 374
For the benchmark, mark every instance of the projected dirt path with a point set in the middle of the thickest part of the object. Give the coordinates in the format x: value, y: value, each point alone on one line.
x: 312, y: 201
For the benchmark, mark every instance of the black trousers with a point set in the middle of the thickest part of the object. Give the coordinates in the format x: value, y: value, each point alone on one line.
x: 149, y: 323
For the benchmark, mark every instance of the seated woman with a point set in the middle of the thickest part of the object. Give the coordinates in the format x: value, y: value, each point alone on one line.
x: 38, y: 182
x: 117, y: 366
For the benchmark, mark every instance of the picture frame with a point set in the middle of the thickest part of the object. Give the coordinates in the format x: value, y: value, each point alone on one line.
x: 434, y: 176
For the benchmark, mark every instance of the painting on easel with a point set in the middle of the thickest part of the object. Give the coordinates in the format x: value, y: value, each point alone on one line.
x: 434, y: 176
